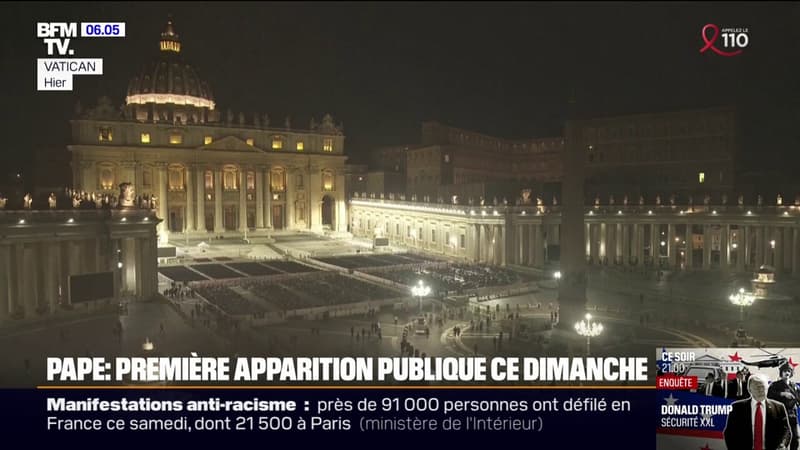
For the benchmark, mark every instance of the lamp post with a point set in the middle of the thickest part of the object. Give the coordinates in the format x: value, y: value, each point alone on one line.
x: 588, y: 329
x: 742, y: 299
x: 420, y: 290
x: 557, y: 276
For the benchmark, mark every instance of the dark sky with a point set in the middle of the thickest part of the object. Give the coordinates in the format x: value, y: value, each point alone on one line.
x: 381, y: 69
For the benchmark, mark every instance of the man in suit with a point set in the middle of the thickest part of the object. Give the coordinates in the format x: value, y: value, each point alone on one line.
x: 737, y: 388
x: 757, y: 423
x: 784, y: 390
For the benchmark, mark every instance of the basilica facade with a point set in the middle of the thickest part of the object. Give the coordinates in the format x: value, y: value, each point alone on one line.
x: 204, y: 171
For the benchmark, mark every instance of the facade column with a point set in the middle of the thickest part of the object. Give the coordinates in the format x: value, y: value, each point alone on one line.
x: 502, y: 238
x: 31, y: 279
x: 138, y: 176
x: 519, y: 245
x: 314, y: 195
x: 689, y: 256
x: 538, y: 245
x: 603, y: 250
x: 259, y: 198
x: 531, y: 245
x: 724, y: 250
x: 290, y: 182
x: 742, y: 248
x: 625, y: 243
x: 89, y: 176
x: 5, y: 282
x: 759, y: 247
x: 706, y: 247
x: 340, y: 219
x: 163, y: 209
x: 242, y: 199
x: 777, y: 236
x: 190, y: 191
x: 268, y: 198
x: 219, y: 227
x: 671, y: 247
x: 653, y: 247
x: 611, y: 243
x: 476, y: 242
x: 200, y: 223
x: 795, y: 251
x: 640, y: 244
x: 587, y: 240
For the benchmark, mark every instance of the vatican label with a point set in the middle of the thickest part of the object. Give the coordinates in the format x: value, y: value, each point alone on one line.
x: 702, y: 392
x: 55, y: 74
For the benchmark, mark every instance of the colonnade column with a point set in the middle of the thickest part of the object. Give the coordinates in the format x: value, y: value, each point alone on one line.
x: 689, y: 247
x: 200, y: 223
x: 190, y: 191
x: 218, y: 224
x: 163, y: 209
x: 259, y: 198
x: 242, y: 199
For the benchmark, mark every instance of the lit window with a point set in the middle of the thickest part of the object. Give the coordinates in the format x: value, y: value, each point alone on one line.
x: 107, y: 177
x: 701, y: 177
x: 327, y: 145
x: 145, y: 138
x: 207, y: 140
x: 327, y: 180
x: 176, y: 178
x: 251, y: 181
x: 277, y: 179
x: 230, y: 179
x: 175, y: 139
x: 209, y: 178
x: 277, y: 143
x: 250, y: 141
x: 300, y: 146
x: 105, y: 135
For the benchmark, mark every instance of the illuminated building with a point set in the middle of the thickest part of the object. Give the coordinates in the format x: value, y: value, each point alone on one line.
x: 210, y: 172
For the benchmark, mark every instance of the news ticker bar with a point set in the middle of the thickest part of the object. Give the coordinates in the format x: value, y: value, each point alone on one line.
x: 360, y: 415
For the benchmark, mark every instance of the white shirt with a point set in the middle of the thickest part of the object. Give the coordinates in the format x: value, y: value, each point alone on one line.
x: 753, y: 404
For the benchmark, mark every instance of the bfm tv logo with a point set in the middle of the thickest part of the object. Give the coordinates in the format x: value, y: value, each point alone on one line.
x: 735, y: 39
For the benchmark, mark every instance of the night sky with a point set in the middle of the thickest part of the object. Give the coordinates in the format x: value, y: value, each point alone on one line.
x: 381, y: 69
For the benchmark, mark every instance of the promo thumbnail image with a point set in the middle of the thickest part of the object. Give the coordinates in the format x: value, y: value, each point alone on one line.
x: 727, y: 398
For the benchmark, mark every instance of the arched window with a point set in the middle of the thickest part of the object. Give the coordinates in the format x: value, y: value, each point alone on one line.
x: 176, y: 175
x: 327, y: 180
x: 105, y: 175
x: 230, y: 178
x: 209, y: 180
x: 251, y: 181
x: 277, y: 179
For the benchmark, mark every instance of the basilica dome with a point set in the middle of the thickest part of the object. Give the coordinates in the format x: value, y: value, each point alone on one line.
x: 168, y: 79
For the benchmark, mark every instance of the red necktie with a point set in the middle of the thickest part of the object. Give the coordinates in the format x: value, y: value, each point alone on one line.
x: 758, y: 441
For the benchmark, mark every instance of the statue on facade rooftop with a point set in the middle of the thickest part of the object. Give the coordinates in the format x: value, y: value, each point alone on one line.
x: 51, y: 201
x: 779, y: 200
x: 127, y: 195
x: 27, y: 201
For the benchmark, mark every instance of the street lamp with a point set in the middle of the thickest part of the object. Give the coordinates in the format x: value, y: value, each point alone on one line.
x: 420, y: 290
x: 588, y: 329
x: 742, y: 299
x: 557, y: 276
